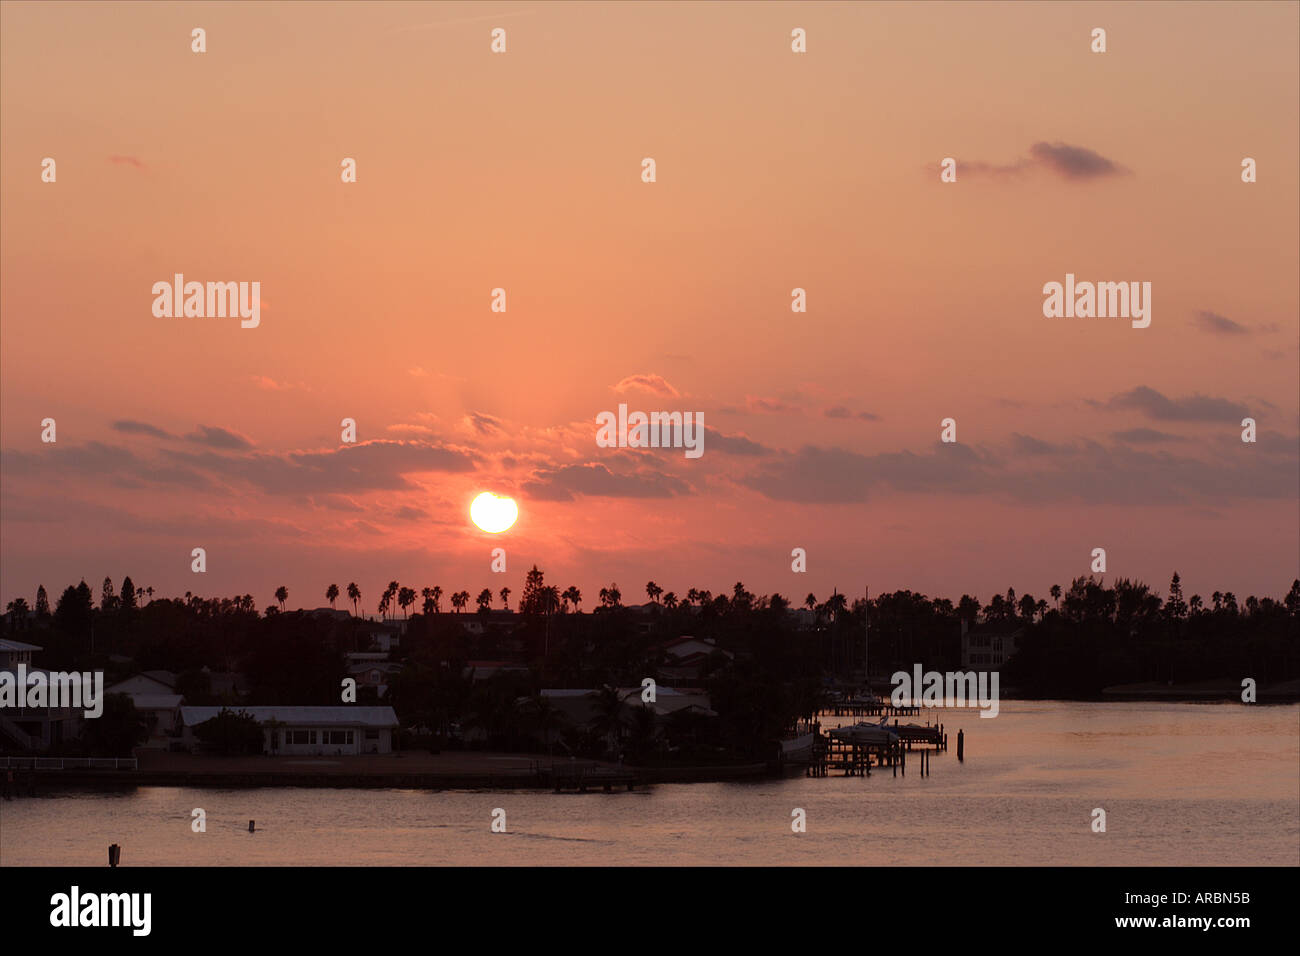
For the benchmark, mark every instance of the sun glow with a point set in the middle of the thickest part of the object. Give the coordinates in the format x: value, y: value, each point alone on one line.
x: 493, y: 514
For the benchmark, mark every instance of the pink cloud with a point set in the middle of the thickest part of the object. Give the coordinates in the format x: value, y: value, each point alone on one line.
x: 648, y: 382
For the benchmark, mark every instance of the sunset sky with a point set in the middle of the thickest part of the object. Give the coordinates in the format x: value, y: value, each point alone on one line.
x: 775, y: 170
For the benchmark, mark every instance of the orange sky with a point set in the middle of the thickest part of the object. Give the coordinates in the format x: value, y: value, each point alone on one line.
x: 522, y: 171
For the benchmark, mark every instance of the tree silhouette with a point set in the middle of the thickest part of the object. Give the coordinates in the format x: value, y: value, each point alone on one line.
x: 405, y: 598
x: 282, y: 595
x: 354, y: 595
x: 332, y: 594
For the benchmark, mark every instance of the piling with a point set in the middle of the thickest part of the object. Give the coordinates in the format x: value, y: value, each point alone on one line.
x: 251, y: 827
x: 961, y: 745
x: 114, y: 854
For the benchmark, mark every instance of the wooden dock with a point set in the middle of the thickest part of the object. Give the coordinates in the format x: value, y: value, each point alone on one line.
x: 869, y: 708
x: 849, y: 758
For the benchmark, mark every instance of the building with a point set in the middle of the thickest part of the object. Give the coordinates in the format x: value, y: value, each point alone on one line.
x: 154, y: 695
x: 34, y: 728
x: 385, y: 636
x: 13, y: 653
x: 989, y: 646
x: 371, y: 669
x: 476, y: 671
x: 320, y: 731
x: 579, y: 706
x: 688, y: 658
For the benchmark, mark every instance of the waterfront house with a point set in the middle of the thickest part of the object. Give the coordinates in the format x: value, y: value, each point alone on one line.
x: 33, y: 728
x: 687, y: 658
x: 989, y: 646
x: 321, y: 731
x: 158, y: 702
x: 13, y: 653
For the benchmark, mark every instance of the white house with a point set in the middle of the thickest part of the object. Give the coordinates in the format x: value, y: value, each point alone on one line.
x: 989, y: 646
x: 323, y: 731
x: 13, y: 653
x: 34, y: 728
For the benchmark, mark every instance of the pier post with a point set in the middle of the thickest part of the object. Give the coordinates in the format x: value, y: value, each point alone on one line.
x: 251, y: 827
x: 114, y: 854
x: 961, y: 745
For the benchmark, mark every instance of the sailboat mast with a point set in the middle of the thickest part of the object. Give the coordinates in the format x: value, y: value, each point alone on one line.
x: 866, y: 639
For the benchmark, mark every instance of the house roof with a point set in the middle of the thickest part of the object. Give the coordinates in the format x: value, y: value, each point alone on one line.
x: 8, y: 645
x: 341, y: 716
x: 159, y: 686
x: 156, y: 701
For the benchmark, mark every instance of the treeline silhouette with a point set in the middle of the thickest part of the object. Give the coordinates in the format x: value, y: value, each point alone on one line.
x: 771, y: 667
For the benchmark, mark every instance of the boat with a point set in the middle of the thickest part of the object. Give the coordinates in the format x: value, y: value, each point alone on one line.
x: 798, y: 749
x: 866, y: 734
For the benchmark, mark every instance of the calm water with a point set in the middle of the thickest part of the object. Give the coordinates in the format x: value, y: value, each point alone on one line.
x: 1182, y: 784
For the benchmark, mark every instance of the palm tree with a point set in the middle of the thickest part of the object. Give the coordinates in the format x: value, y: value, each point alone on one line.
x: 836, y: 605
x: 810, y: 601
x: 670, y: 600
x: 427, y: 594
x: 1056, y: 594
x: 282, y: 595
x: 484, y: 601
x: 573, y: 596
x: 18, y: 607
x: 354, y: 595
x: 610, y: 596
x: 607, y: 717
x: 332, y: 594
x: 437, y: 598
x: 405, y: 598
x: 385, y: 602
x: 390, y: 593
x: 459, y: 600
x: 653, y: 591
x: 505, y: 598
x: 149, y: 591
x: 550, y: 596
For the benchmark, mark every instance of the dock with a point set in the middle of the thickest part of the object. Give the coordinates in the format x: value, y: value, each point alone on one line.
x: 869, y: 708
x: 833, y: 753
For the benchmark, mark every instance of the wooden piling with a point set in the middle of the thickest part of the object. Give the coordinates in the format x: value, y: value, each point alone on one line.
x: 251, y: 827
x: 961, y: 745
x: 114, y: 854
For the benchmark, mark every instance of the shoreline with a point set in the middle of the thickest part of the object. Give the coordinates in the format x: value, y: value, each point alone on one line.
x: 474, y: 770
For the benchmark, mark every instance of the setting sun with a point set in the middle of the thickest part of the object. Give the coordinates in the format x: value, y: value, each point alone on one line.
x: 493, y: 514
